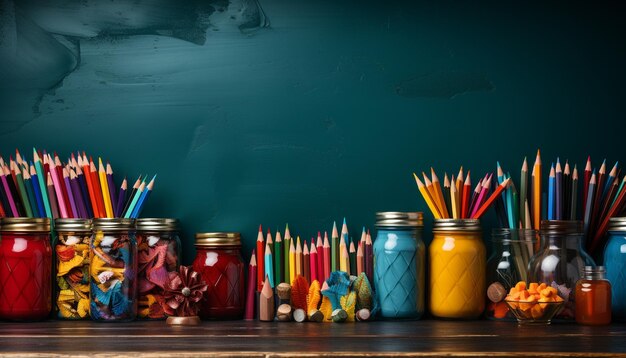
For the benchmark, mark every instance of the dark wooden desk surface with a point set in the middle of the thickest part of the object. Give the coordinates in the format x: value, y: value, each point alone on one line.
x: 236, y: 338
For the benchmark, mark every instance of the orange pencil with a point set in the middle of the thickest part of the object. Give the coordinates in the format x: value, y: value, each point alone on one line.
x: 537, y: 192
x: 433, y: 194
x: 439, y: 194
x: 491, y: 199
x: 360, y: 259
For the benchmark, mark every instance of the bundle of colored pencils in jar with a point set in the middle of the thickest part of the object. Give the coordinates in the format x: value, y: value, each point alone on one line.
x: 293, y: 268
x: 47, y: 187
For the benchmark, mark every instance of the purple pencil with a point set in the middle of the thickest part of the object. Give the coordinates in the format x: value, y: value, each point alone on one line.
x: 70, y: 195
x: 121, y: 199
x: 78, y: 197
x: 111, y: 184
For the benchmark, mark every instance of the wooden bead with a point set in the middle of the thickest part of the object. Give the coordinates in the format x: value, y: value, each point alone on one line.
x: 363, y: 314
x: 339, y: 315
x: 299, y: 315
x: 316, y: 316
x: 284, y: 313
x: 496, y: 292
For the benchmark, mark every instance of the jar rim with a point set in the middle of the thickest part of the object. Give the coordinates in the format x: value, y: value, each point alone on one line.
x: 113, y: 224
x: 22, y: 224
x: 157, y: 224
x: 222, y: 239
x: 561, y: 227
x: 72, y: 224
x: 447, y: 225
x: 399, y: 219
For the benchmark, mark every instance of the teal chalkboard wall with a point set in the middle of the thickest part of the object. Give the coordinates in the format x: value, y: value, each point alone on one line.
x: 308, y: 111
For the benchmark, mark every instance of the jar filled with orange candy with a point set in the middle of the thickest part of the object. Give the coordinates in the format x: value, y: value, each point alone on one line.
x: 593, y: 297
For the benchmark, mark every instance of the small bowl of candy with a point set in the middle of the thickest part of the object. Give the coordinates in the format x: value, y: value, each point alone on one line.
x: 536, y: 305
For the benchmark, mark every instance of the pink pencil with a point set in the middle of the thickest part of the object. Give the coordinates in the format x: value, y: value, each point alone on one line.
x: 481, y: 197
x: 57, y: 189
x: 320, y: 257
x: 326, y: 252
x: 251, y: 289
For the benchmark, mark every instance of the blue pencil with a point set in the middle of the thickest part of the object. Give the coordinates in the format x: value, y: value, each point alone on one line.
x: 558, y: 188
x: 142, y: 199
x: 37, y: 191
x: 551, y: 193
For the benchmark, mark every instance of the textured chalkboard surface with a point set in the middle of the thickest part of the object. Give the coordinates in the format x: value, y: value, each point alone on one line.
x: 307, y: 111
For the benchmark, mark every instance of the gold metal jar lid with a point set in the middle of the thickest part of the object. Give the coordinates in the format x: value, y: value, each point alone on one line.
x: 206, y: 239
x: 399, y: 219
x: 25, y: 224
x: 116, y: 224
x: 561, y: 227
x: 447, y: 225
x: 617, y: 224
x: 157, y: 224
x: 72, y: 224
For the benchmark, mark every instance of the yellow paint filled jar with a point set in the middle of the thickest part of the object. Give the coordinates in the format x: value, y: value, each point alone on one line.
x: 457, y: 269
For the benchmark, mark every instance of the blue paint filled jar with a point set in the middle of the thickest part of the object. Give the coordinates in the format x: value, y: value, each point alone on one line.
x: 399, y: 264
x: 615, y: 263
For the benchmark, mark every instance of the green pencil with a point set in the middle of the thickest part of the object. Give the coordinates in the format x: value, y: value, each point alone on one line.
x: 22, y: 189
x: 278, y: 259
x: 42, y: 183
x: 352, y: 256
x: 31, y: 194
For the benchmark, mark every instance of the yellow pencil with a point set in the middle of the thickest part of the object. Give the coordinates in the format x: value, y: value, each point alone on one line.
x: 105, y: 189
x: 298, y: 257
x: 433, y: 193
x: 427, y: 198
x: 292, y: 261
x: 454, y: 199
x: 437, y: 186
x: 345, y: 260
x: 537, y: 192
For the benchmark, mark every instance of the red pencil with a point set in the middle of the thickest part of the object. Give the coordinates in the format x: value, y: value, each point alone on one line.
x: 359, y: 259
x: 250, y: 290
x: 314, y: 262
x: 326, y: 252
x: 97, y: 189
x: 616, y: 208
x: 467, y: 187
x: 260, y: 260
x: 306, y: 262
x: 483, y: 208
x: 320, y: 257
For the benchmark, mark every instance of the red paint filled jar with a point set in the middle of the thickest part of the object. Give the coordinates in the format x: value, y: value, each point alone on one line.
x: 26, y: 268
x: 219, y: 261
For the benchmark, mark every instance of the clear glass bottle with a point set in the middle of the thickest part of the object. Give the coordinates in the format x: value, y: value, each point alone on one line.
x: 593, y: 297
x: 399, y: 264
x: 219, y: 261
x: 457, y: 269
x: 561, y: 260
x: 113, y: 270
x: 72, y: 268
x: 25, y: 269
x: 615, y: 263
x: 507, y: 265
x: 158, y: 255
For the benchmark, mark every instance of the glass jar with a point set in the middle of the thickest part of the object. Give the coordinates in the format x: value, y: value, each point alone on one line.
x: 219, y: 261
x: 507, y: 265
x: 25, y: 269
x: 158, y: 255
x: 593, y: 297
x: 113, y: 270
x: 399, y: 264
x: 615, y: 263
x: 72, y: 268
x: 457, y: 269
x: 560, y: 260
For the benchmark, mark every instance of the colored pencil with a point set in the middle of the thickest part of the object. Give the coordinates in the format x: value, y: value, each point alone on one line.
x: 298, y: 263
x: 352, y: 253
x: 133, y: 203
x: 52, y: 197
x: 344, y: 231
x: 104, y: 187
x: 369, y: 258
x: 78, y: 197
x: 70, y: 195
x: 21, y: 189
x: 266, y: 302
x: 475, y: 195
x: 616, y: 208
x: 269, y: 264
x: 334, y: 249
x: 558, y: 191
x: 28, y: 186
x: 306, y: 262
x: 536, y: 189
x: 589, y: 203
x: 37, y: 191
x: 574, y: 195
x: 551, y: 194
x: 567, y: 187
x: 57, y: 169
x: 286, y: 245
x: 327, y: 258
x: 131, y: 196
x: 292, y: 261
x: 251, y: 288
x: 483, y: 208
x: 431, y: 192
x: 319, y: 247
x: 523, y: 191
x: 446, y: 193
x: 279, y: 252
x: 481, y: 197
x: 141, y: 203
x: 586, y: 178
x: 121, y: 198
x: 360, y: 262
x: 439, y: 193
x: 111, y: 186
x: 467, y: 188
x: 427, y: 197
x: 260, y: 259
x: 314, y: 262
x: 453, y: 199
x: 12, y: 193
x: 345, y: 260
x: 97, y: 190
